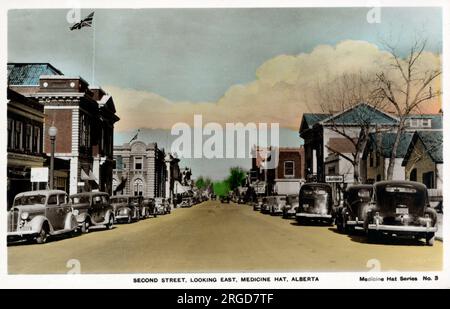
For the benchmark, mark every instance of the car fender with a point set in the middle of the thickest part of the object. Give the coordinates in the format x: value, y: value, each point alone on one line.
x: 37, y: 222
x: 108, y: 215
x: 70, y: 222
x: 433, y: 215
x: 124, y: 208
x: 83, y: 217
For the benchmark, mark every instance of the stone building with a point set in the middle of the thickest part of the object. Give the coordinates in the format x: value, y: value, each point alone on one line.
x: 140, y: 169
x: 83, y: 115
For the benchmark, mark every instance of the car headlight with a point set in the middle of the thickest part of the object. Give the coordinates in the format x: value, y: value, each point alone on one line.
x: 24, y: 216
x: 76, y: 212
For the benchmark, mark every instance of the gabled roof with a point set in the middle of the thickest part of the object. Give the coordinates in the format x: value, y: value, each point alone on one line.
x: 387, y: 140
x: 361, y: 113
x: 310, y: 119
x: 27, y: 74
x: 432, y: 142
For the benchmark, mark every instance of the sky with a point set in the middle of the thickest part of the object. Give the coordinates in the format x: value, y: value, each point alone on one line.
x: 162, y: 66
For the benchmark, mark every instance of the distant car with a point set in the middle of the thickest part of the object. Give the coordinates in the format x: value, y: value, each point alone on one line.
x: 266, y: 204
x: 277, y: 205
x: 224, y: 199
x: 126, y: 209
x: 35, y: 215
x: 352, y: 214
x: 162, y: 206
x: 315, y: 203
x: 92, y: 209
x: 149, y: 203
x: 186, y: 202
x: 401, y: 208
x: 290, y: 208
x: 257, y: 205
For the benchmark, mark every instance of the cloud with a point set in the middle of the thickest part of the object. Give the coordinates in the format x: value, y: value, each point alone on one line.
x: 285, y: 87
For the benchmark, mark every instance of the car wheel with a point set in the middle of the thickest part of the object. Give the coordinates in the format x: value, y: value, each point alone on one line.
x: 43, y: 235
x: 110, y: 223
x: 430, y: 239
x: 372, y: 236
x: 339, y: 225
x: 85, y: 227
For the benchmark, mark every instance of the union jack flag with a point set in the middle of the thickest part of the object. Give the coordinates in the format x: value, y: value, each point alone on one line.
x: 87, y: 22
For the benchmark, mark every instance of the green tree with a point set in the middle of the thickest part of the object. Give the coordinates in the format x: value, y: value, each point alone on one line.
x: 236, y: 178
x: 200, y: 183
x: 221, y: 188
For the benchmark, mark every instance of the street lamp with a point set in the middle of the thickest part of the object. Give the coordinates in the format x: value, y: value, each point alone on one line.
x: 52, y: 131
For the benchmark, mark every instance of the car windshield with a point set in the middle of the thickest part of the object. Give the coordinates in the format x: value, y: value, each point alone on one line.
x: 391, y: 197
x: 30, y: 200
x: 116, y: 200
x: 364, y: 193
x: 79, y: 199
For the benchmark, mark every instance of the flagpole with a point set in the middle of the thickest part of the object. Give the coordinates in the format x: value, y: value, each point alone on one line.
x: 93, y: 52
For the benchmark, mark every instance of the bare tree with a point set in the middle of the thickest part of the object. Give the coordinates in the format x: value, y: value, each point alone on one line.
x: 405, y: 87
x: 340, y: 94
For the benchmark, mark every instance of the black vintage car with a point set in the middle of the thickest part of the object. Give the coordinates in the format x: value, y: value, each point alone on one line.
x: 225, y: 199
x: 356, y: 203
x: 92, y: 209
x: 315, y: 203
x: 127, y: 208
x: 401, y: 208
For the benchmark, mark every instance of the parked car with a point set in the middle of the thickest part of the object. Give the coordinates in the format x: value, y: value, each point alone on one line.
x: 149, y: 203
x: 92, y: 209
x: 277, y: 204
x: 401, y: 208
x: 186, y: 202
x: 266, y: 204
x: 124, y: 209
x: 162, y: 206
x: 257, y: 205
x: 352, y: 214
x: 315, y: 203
x: 290, y: 208
x: 224, y: 199
x: 35, y: 215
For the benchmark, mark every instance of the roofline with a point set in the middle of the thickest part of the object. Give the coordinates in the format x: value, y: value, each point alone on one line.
x: 46, y: 63
x: 354, y: 106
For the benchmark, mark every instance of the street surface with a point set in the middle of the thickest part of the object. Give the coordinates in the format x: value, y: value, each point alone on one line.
x: 215, y: 237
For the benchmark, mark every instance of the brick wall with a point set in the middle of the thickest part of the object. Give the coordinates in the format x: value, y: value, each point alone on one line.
x: 62, y: 120
x: 289, y: 155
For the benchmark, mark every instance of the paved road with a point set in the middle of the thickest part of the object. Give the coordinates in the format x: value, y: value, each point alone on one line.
x: 214, y: 237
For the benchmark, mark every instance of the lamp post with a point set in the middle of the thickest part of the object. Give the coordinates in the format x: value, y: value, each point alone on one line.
x: 52, y: 131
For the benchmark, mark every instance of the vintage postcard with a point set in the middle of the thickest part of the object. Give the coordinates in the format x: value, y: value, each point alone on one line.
x: 291, y: 144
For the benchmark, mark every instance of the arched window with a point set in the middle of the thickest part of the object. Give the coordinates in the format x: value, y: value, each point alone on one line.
x: 413, y: 175
x: 138, y: 187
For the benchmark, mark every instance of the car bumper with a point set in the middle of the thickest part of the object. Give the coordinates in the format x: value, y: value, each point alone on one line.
x: 313, y: 216
x: 402, y: 228
x: 355, y: 223
x: 121, y: 217
x: 15, y: 236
